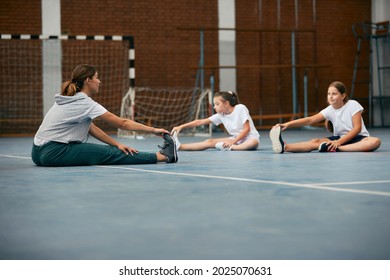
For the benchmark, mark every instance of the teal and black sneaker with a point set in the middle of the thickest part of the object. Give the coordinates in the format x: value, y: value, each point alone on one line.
x: 169, y: 149
x: 323, y: 148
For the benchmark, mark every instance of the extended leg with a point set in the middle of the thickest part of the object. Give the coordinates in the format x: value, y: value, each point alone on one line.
x: 200, y: 146
x: 74, y: 154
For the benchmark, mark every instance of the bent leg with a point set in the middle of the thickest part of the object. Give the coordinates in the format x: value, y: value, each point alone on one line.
x: 367, y: 144
x: 250, y: 144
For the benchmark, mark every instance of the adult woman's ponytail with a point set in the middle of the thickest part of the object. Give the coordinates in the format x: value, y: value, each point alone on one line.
x: 79, y: 75
x: 68, y: 88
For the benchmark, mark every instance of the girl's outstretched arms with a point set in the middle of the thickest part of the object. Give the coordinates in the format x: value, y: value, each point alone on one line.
x: 302, y: 122
x: 194, y: 123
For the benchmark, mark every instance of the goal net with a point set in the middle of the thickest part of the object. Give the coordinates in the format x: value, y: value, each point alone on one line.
x: 27, y: 60
x: 166, y: 108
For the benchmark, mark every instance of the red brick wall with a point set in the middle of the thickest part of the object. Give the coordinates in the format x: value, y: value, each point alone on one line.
x: 269, y: 91
x: 20, y: 16
x: 165, y: 54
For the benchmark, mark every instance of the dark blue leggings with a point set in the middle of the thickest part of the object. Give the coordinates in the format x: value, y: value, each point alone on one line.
x: 356, y: 139
x: 74, y: 154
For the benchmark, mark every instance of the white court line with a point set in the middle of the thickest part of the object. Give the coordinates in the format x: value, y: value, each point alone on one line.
x: 353, y: 183
x: 307, y: 186
x: 15, y: 156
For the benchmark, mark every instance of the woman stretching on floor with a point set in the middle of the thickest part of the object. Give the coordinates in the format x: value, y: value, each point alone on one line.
x: 60, y: 140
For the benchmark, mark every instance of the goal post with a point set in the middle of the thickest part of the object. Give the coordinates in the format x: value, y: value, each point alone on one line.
x: 23, y: 61
x: 166, y: 108
x: 23, y: 74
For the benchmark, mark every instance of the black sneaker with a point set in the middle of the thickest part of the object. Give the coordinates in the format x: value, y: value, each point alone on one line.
x: 169, y: 149
x: 323, y: 148
x: 276, y: 138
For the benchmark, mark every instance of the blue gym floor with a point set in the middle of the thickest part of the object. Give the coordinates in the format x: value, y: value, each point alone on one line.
x: 210, y: 205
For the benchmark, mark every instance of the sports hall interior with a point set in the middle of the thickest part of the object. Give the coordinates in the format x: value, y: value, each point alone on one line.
x: 278, y: 55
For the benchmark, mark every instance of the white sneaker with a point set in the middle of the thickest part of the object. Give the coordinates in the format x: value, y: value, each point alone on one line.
x: 220, y: 147
x: 176, y: 138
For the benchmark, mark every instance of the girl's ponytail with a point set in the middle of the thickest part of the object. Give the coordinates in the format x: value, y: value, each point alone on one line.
x: 230, y: 96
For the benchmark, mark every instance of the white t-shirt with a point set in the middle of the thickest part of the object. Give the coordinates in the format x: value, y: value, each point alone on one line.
x: 234, y: 122
x: 342, y: 118
x: 69, y: 119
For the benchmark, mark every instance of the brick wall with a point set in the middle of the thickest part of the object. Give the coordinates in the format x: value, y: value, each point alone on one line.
x: 331, y: 44
x: 165, y: 54
x: 20, y: 16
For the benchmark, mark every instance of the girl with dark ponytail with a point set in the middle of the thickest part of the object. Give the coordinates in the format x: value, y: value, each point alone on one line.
x: 236, y: 120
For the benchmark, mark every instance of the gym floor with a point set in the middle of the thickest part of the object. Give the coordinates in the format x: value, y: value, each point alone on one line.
x: 210, y: 205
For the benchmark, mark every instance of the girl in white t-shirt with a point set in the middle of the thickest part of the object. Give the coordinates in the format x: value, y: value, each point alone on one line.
x: 236, y: 120
x: 349, y: 131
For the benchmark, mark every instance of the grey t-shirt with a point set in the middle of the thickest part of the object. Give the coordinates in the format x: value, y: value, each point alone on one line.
x: 69, y: 119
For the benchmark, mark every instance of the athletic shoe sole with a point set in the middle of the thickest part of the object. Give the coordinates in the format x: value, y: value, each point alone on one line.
x: 276, y: 139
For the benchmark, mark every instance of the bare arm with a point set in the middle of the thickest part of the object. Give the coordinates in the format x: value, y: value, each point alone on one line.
x: 357, y: 127
x: 194, y: 123
x: 126, y: 124
x: 302, y: 122
x: 105, y: 138
x: 243, y: 133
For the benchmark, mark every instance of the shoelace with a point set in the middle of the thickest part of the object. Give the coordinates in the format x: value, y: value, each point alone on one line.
x: 163, y: 146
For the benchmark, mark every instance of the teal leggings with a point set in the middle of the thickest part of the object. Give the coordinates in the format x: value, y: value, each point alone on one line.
x: 74, y: 154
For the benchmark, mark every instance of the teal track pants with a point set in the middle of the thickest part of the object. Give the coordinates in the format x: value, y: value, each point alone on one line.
x: 75, y: 154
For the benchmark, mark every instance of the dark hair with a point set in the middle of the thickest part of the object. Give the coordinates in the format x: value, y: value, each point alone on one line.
x: 341, y: 88
x: 79, y: 75
x: 229, y: 96
x: 329, y: 125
